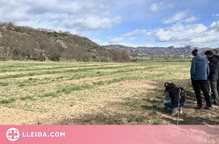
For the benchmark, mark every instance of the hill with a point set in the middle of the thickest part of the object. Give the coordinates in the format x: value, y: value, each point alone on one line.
x: 22, y: 42
x: 156, y: 51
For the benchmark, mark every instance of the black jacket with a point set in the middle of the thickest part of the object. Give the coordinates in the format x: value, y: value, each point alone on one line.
x: 174, y: 94
x: 213, y: 65
x: 218, y: 63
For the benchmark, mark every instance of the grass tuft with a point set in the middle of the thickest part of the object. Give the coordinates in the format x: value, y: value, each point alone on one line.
x: 7, y: 101
x: 27, y: 97
x: 52, y: 94
x: 130, y: 119
x: 153, y: 112
x: 4, y: 84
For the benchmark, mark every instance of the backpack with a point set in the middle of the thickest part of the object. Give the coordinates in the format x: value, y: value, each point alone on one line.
x: 182, y: 94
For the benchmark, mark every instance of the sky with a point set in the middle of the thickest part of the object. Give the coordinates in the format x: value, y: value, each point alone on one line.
x: 151, y: 23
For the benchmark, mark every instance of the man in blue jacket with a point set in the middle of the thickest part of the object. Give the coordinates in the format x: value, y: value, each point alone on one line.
x: 199, y: 74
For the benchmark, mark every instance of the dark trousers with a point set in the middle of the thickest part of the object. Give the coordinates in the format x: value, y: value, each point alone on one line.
x: 199, y: 85
x: 218, y: 85
x: 215, y: 91
x: 209, y: 87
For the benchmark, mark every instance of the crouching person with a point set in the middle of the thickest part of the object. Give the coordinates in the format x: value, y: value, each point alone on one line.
x: 172, y: 90
x: 167, y: 96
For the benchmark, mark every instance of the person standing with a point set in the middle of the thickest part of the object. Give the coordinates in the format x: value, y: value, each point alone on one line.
x: 213, y: 76
x: 209, y: 85
x: 214, y: 52
x: 199, y: 73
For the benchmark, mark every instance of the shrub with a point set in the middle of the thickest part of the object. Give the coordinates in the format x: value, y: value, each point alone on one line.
x: 54, y: 57
x: 38, y: 55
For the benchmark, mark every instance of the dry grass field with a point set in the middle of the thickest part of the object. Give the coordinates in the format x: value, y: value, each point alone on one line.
x: 92, y: 93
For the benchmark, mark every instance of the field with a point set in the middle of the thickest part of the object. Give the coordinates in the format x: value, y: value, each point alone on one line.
x: 92, y: 93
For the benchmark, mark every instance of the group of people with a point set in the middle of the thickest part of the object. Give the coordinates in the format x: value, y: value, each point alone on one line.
x: 204, y: 76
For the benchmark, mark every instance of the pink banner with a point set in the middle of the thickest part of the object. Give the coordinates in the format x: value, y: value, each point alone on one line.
x: 79, y: 134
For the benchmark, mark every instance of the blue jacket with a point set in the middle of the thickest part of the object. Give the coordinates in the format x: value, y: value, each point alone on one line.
x: 199, y: 68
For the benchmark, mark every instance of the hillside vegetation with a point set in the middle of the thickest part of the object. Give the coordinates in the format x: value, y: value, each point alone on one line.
x: 26, y: 43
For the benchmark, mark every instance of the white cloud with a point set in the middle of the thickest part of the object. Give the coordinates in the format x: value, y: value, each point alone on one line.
x: 191, y: 19
x: 215, y: 15
x: 127, y: 35
x: 153, y: 8
x: 128, y: 44
x: 156, y: 7
x: 104, y: 43
x: 116, y: 40
x: 137, y: 31
x: 109, y: 37
x: 180, y: 17
x: 98, y: 41
x: 214, y: 25
x: 92, y: 23
x: 133, y: 38
x: 193, y: 34
x: 80, y: 17
x: 176, y: 17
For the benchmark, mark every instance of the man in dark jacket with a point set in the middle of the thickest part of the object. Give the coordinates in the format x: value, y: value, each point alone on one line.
x: 173, y: 93
x: 215, y: 53
x: 213, y: 76
x: 199, y: 74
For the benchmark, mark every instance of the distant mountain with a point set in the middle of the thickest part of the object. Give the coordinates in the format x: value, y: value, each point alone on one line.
x: 155, y: 51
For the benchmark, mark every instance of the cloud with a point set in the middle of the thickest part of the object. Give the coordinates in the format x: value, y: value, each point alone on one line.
x: 214, y: 25
x: 215, y: 15
x: 80, y: 17
x: 156, y: 7
x: 104, y: 43
x: 137, y: 31
x: 92, y: 23
x: 193, y: 34
x: 176, y: 17
x: 128, y: 44
x: 181, y: 16
x: 133, y: 38
x: 116, y: 40
x: 109, y: 37
x: 98, y: 41
x: 127, y: 35
x: 191, y: 19
x: 153, y: 8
